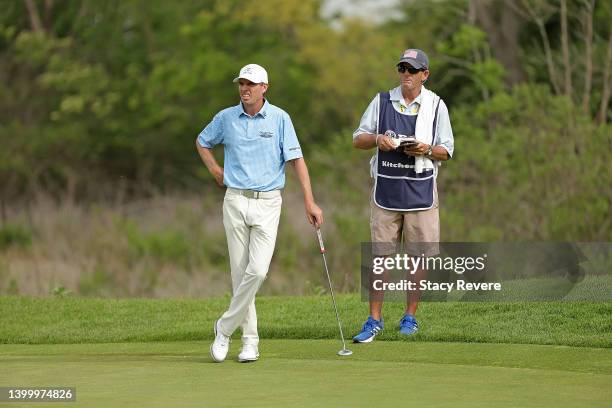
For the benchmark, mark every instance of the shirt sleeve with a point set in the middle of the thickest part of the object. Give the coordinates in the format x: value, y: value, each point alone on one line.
x: 444, y: 131
x: 290, y: 145
x: 369, y: 120
x: 212, y: 134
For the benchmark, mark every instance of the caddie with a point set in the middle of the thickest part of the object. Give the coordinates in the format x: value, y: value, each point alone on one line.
x: 404, y: 199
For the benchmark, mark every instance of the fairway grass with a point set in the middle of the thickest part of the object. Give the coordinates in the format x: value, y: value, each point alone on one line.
x: 308, y: 373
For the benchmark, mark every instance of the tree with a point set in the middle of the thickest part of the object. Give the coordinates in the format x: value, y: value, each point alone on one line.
x: 503, y: 25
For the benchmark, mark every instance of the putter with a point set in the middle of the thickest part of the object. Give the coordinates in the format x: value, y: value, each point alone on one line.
x: 344, y: 351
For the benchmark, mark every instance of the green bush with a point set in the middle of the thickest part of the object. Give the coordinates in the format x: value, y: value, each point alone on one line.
x: 165, y: 246
x: 98, y: 283
x: 527, y: 166
x: 14, y: 235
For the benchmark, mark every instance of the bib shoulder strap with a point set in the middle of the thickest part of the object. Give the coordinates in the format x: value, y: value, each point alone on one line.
x: 435, y: 122
x: 383, y: 99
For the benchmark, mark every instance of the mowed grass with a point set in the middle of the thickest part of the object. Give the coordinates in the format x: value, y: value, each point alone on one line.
x: 79, y: 320
x: 306, y: 373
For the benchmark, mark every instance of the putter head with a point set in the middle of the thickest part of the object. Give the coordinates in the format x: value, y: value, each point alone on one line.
x: 345, y: 352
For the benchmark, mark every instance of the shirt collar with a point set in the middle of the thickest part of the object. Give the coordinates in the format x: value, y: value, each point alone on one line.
x: 396, y: 95
x: 263, y: 112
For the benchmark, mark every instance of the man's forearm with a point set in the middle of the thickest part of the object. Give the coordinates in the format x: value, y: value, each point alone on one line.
x: 301, y: 170
x: 313, y: 212
x: 365, y: 141
x: 208, y: 158
x: 439, y: 153
x: 368, y: 140
x: 211, y: 164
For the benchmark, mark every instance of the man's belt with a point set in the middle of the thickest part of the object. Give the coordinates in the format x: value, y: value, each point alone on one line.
x: 254, y: 194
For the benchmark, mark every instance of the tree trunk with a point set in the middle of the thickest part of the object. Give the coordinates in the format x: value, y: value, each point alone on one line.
x: 502, y: 24
x: 539, y: 14
x: 34, y: 16
x: 565, y: 49
x: 605, y: 97
x: 3, y: 207
x: 476, y: 53
x: 588, y: 42
x: 48, y: 18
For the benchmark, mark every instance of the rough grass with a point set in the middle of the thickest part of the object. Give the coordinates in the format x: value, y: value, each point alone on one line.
x: 167, y: 247
x: 78, y: 320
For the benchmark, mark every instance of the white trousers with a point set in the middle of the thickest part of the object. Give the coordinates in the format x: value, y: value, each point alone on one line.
x: 250, y: 225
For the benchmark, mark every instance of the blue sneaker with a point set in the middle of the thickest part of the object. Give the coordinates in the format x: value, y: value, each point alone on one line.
x: 408, y: 325
x: 369, y: 330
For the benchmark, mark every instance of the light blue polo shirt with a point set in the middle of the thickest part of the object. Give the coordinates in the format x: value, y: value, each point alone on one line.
x: 256, y: 148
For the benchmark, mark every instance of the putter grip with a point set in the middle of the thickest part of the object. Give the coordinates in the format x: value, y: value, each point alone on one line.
x: 321, y: 246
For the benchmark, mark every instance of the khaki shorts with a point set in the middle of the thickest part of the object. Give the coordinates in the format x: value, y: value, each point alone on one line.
x: 420, y: 229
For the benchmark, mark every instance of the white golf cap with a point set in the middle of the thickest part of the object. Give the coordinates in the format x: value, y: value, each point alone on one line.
x: 254, y: 73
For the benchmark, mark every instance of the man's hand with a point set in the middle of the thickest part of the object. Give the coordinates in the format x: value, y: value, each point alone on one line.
x: 314, y: 214
x: 218, y: 175
x: 385, y: 143
x: 418, y: 150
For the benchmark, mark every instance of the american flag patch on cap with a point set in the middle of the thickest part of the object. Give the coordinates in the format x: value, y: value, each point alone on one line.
x: 410, y: 54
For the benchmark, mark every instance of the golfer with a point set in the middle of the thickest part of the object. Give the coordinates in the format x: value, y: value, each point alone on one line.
x: 258, y: 139
x: 404, y: 199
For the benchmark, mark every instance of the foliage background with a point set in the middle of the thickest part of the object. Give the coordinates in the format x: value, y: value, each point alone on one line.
x: 102, y: 192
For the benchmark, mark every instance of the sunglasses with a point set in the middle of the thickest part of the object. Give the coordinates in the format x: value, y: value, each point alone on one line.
x: 405, y: 67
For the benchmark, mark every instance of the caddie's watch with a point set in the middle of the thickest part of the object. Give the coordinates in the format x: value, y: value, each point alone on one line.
x: 429, y: 150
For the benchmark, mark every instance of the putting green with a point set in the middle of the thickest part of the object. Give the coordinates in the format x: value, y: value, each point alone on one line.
x: 308, y: 373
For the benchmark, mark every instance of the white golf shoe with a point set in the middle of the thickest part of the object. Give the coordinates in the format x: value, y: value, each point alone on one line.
x: 248, y: 353
x: 220, y: 347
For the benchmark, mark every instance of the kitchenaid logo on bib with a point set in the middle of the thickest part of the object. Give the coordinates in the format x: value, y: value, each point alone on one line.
x: 266, y: 134
x: 397, y: 165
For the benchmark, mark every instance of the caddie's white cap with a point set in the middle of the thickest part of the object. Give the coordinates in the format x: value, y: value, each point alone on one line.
x: 254, y: 73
